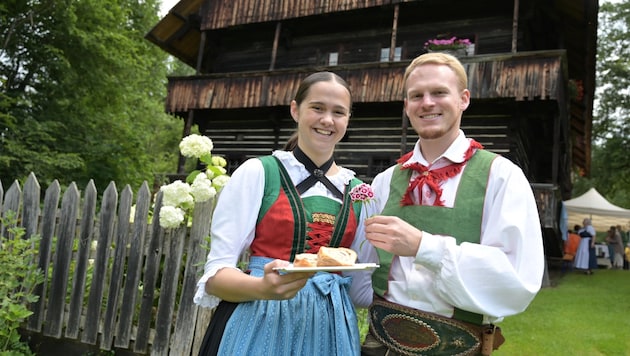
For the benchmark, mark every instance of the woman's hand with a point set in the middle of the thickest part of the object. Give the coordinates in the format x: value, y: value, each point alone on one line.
x: 232, y: 285
x: 393, y: 235
x: 276, y: 285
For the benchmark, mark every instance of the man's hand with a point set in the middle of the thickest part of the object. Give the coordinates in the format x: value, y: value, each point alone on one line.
x: 393, y: 235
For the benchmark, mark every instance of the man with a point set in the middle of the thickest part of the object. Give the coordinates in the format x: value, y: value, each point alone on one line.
x: 459, y: 241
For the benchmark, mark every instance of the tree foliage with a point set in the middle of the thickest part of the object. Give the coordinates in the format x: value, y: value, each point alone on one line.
x: 611, y: 123
x: 82, y: 92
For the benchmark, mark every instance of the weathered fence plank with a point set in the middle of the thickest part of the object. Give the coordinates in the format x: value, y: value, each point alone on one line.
x: 151, y: 272
x: 134, y: 267
x: 49, y: 221
x: 95, y: 299
x: 11, y: 204
x: 67, y: 226
x: 30, y: 205
x: 120, y: 252
x: 77, y: 294
x: 182, y: 340
x: 176, y: 239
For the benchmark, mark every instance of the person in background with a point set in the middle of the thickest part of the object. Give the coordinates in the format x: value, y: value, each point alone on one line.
x: 586, y: 250
x: 458, y: 239
x: 570, y: 248
x: 626, y: 262
x: 276, y: 207
x: 610, y: 244
x: 624, y: 235
x: 613, y: 239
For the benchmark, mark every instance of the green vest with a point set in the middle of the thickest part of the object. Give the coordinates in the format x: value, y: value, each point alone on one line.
x: 277, y: 178
x: 462, y: 221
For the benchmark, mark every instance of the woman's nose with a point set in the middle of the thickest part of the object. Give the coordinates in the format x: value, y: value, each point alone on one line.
x: 327, y: 117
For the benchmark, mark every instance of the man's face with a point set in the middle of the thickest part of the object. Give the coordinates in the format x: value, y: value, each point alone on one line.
x: 434, y: 103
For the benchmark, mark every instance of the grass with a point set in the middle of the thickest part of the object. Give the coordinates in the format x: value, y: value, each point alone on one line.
x: 579, y: 316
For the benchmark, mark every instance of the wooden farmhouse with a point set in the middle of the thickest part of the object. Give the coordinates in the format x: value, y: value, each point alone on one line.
x: 531, y: 69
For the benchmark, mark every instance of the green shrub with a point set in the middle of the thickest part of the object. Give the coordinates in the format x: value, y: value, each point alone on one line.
x: 19, y: 276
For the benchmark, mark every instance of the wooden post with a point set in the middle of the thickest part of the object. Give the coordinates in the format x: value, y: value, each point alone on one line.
x: 515, y: 27
x: 392, y: 46
x: 274, y: 50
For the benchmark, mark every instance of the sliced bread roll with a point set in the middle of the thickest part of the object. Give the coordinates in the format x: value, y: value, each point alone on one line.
x: 305, y: 260
x: 335, y: 256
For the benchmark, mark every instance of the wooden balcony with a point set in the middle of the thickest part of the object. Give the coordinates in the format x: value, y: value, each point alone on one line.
x: 523, y: 76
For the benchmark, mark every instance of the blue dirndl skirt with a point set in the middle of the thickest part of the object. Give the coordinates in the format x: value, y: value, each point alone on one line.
x: 319, y: 320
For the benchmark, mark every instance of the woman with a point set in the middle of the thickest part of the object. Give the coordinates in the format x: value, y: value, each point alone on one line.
x: 586, y: 249
x: 274, y: 208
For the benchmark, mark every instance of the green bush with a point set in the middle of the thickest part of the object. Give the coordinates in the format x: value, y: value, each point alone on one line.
x: 19, y: 276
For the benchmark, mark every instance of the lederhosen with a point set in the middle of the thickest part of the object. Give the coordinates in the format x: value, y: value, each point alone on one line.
x: 408, y: 331
x: 282, y: 201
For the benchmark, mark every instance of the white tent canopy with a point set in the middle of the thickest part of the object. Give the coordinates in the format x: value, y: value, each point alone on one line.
x: 603, y: 213
x: 594, y: 203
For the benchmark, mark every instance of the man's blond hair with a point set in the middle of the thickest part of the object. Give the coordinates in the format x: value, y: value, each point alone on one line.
x: 438, y: 58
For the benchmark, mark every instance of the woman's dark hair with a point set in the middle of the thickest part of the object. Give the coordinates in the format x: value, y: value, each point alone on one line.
x: 302, y: 92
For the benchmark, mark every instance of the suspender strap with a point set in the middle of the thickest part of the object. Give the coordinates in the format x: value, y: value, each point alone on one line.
x: 299, y: 213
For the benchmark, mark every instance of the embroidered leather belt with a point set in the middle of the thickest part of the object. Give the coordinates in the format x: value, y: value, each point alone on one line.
x: 408, y: 331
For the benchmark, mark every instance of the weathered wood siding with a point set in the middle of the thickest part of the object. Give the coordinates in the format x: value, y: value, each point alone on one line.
x: 225, y: 13
x: 371, y: 144
x: 526, y: 76
x: 114, y: 279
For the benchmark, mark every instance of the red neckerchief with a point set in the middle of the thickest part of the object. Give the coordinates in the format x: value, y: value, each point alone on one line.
x: 433, y: 178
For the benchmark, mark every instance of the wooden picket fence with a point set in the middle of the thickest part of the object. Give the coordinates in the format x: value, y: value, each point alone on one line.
x: 133, y: 291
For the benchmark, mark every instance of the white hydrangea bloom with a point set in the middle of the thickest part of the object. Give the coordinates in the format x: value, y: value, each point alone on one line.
x: 171, y: 217
x: 195, y: 146
x: 202, y: 188
x: 218, y: 161
x: 220, y: 181
x: 176, y: 194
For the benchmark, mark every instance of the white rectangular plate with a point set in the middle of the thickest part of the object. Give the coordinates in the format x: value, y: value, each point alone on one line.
x: 354, y: 267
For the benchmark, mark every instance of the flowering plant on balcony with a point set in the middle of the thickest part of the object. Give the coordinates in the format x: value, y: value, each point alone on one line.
x: 179, y: 198
x: 449, y: 44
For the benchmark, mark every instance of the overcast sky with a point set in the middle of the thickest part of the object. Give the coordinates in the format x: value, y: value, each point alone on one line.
x: 167, y: 5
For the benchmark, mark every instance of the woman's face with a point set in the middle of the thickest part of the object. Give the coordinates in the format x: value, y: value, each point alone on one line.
x: 322, y: 118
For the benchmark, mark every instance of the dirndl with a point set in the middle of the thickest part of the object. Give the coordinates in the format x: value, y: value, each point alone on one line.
x: 319, y: 320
